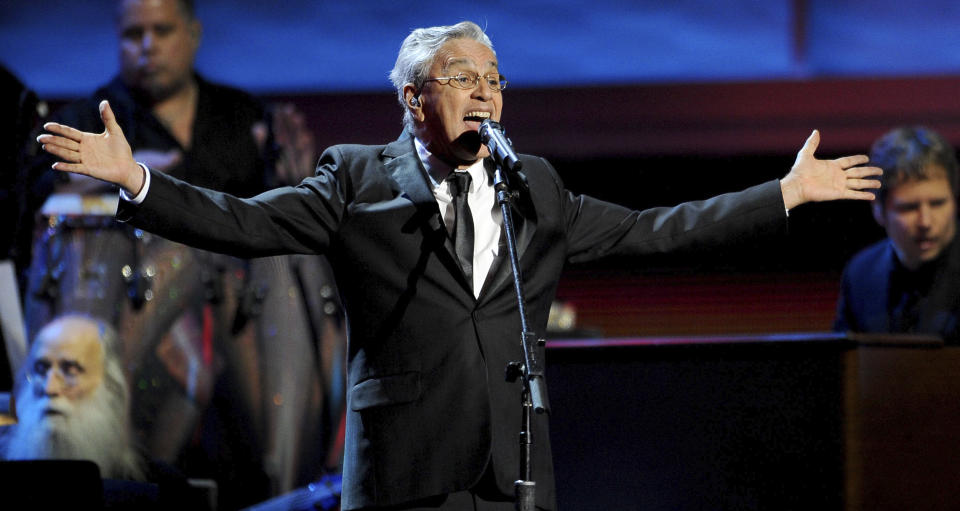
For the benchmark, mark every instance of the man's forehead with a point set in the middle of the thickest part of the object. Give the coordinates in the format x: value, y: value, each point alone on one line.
x: 144, y: 12
x: 69, y: 342
x: 937, y: 187
x: 466, y: 53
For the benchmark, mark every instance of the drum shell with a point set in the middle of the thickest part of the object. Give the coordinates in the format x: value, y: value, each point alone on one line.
x: 77, y: 266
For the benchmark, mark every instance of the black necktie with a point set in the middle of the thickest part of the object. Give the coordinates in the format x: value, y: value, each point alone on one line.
x: 463, y: 226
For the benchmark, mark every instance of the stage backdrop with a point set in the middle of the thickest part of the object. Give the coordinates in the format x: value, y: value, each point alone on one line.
x: 308, y: 45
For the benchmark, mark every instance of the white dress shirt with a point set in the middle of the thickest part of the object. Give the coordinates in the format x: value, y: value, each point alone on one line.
x: 487, y: 217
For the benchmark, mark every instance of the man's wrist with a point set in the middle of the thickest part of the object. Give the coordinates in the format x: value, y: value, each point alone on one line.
x: 141, y: 172
x: 143, y: 188
x: 792, y: 196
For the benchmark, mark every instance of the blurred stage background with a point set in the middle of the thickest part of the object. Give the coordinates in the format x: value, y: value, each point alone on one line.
x: 645, y: 103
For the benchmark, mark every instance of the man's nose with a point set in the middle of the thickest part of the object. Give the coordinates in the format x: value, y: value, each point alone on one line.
x: 924, y: 216
x: 482, y: 91
x: 53, y: 383
x: 148, y: 40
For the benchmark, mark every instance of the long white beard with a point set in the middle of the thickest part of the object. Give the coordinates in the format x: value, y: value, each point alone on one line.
x: 94, y: 430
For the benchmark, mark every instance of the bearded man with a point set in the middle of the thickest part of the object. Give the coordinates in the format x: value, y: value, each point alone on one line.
x: 72, y: 400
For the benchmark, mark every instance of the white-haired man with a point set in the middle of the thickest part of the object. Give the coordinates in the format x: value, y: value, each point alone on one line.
x: 71, y: 400
x: 431, y: 423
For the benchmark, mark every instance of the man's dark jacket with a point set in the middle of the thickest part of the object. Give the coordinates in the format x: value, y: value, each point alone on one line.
x: 428, y: 406
x: 873, y: 284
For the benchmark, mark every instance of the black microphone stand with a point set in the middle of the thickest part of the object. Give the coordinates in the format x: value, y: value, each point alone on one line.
x: 530, y: 369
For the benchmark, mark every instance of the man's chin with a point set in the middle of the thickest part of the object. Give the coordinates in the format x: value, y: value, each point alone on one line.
x: 470, y: 147
x: 154, y: 89
x: 471, y: 157
x: 55, y: 421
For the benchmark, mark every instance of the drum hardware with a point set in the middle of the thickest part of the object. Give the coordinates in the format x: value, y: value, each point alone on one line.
x: 213, y: 282
x: 139, y: 288
x: 76, y: 267
x: 250, y: 306
x: 330, y: 307
x: 49, y: 287
x: 93, y: 274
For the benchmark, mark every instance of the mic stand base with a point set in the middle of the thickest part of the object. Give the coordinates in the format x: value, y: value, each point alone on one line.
x: 525, y: 492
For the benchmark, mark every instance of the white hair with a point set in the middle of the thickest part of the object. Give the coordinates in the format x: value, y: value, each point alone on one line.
x: 95, y: 429
x: 418, y: 51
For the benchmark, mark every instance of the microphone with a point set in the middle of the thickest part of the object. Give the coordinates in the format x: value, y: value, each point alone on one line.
x: 492, y: 135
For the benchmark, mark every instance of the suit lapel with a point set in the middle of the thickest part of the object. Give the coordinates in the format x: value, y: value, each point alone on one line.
x: 407, y: 170
x: 525, y: 224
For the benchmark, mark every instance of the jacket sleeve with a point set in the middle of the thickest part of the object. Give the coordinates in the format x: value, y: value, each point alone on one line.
x: 597, y: 228
x: 301, y: 219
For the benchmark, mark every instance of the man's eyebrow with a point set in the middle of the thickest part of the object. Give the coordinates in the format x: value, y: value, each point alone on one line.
x: 453, y: 61
x: 73, y: 364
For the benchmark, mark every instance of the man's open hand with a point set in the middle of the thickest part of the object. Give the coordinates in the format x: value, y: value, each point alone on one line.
x: 812, y: 180
x: 105, y: 156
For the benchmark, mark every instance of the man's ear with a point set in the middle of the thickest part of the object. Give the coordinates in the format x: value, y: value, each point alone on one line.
x: 876, y: 206
x: 412, y: 101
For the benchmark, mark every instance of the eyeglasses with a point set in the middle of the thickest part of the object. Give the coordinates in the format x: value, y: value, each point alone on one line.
x: 470, y: 80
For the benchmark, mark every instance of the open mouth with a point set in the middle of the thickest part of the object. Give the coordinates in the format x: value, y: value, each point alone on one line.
x: 476, y: 117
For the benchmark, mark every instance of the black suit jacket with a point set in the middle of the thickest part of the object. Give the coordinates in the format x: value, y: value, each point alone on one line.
x: 868, y: 294
x: 428, y: 403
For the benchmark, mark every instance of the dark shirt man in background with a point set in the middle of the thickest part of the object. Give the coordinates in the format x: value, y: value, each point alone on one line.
x: 908, y: 282
x: 209, y: 134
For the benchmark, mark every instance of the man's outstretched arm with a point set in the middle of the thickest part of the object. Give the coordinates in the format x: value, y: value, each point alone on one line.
x: 107, y: 156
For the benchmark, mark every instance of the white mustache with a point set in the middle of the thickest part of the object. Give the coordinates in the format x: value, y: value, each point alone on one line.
x: 46, y: 406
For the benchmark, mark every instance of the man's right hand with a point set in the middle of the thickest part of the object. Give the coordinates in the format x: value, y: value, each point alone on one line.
x: 105, y: 156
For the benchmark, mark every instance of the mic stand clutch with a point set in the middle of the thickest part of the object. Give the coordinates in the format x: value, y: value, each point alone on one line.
x: 530, y: 369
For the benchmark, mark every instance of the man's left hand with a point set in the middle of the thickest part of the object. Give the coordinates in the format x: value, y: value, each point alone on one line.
x: 812, y: 180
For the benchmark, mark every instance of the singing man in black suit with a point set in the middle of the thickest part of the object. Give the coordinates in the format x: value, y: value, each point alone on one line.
x: 432, y: 424
x: 908, y: 282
